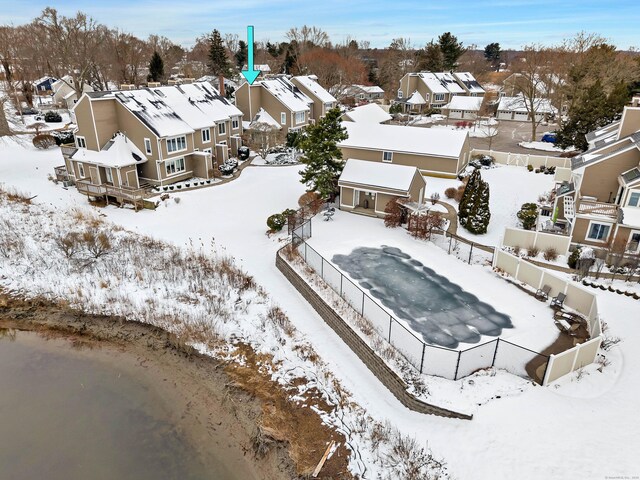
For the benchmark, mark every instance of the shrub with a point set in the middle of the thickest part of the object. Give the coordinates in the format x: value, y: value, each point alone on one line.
x: 473, y: 211
x: 395, y: 108
x: 516, y: 250
x: 44, y: 141
x: 528, y: 215
x: 459, y: 193
x: 450, y: 192
x: 276, y: 221
x: 434, y: 198
x: 530, y: 167
x: 310, y: 202
x: 420, y: 226
x: 572, y: 261
x: 532, y: 251
x: 550, y: 254
x: 393, y: 214
x: 52, y: 117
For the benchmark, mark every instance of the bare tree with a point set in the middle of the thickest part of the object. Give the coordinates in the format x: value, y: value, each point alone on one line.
x: 262, y: 137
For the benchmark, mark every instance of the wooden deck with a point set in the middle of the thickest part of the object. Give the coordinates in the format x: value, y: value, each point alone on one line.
x: 135, y: 196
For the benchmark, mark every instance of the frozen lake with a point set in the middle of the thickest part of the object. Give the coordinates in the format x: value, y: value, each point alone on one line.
x: 433, y: 307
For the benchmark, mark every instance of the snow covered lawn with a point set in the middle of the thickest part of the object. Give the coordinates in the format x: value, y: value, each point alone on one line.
x: 477, y: 131
x: 544, y: 146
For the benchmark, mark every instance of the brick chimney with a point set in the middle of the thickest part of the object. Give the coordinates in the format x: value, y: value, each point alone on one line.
x: 221, y: 85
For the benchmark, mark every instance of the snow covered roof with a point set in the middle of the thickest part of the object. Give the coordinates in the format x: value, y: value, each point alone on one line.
x: 517, y: 104
x: 177, y: 109
x: 631, y: 216
x: 264, y: 68
x: 287, y: 93
x: 370, y: 88
x: 398, y: 138
x: 416, y: 99
x: 375, y: 174
x: 440, y: 82
x: 370, y: 113
x: 43, y: 79
x: 310, y: 82
x: 600, y: 153
x: 460, y: 102
x: 118, y: 152
x: 469, y: 82
x: 263, y: 117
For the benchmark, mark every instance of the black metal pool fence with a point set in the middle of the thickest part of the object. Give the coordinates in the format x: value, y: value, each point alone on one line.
x: 426, y: 358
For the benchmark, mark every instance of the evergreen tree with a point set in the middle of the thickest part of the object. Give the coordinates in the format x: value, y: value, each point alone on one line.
x: 466, y: 202
x: 430, y: 58
x: 451, y: 50
x: 591, y: 112
x: 321, y: 156
x: 156, y: 68
x: 241, y: 55
x: 218, y: 60
x: 479, y: 215
x: 492, y: 53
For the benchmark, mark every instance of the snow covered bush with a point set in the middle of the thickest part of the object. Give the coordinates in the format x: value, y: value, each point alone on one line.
x: 52, y: 117
x: 473, y: 212
x: 276, y: 221
x: 528, y: 214
x: 550, y: 254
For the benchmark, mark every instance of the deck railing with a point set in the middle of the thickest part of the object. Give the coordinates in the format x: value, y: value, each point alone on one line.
x: 593, y: 207
x: 125, y: 193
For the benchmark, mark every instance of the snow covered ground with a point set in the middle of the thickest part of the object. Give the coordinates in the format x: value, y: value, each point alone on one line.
x: 583, y: 427
x: 544, y: 146
x: 477, y: 131
x: 510, y: 187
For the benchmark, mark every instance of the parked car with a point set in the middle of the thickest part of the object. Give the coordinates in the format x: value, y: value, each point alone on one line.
x: 29, y: 111
x: 549, y: 137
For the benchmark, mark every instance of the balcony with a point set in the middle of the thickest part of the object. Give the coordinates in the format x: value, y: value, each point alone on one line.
x: 136, y: 196
x: 61, y: 173
x: 593, y: 207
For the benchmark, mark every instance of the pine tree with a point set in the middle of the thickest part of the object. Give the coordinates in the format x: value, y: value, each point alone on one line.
x: 241, y: 55
x: 430, y: 58
x: 466, y: 202
x: 480, y: 215
x: 321, y: 156
x: 156, y: 68
x: 218, y: 60
x: 492, y: 53
x: 451, y: 50
x: 588, y: 114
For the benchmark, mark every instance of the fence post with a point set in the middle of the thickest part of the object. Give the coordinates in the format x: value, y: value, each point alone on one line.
x: 546, y: 370
x: 470, y: 252
x: 305, y: 252
x: 390, y: 322
x: 322, y: 268
x: 424, y: 347
x: 341, y: 277
x: 362, y: 310
x: 455, y: 376
x: 495, y: 353
x: 450, y: 240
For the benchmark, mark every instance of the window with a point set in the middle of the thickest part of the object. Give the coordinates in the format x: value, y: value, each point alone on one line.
x: 438, y: 97
x: 387, y: 157
x: 206, y: 135
x: 147, y: 146
x: 399, y: 93
x: 283, y: 118
x: 81, y: 170
x: 223, y: 142
x: 235, y: 123
x: 299, y: 118
x: 81, y: 142
x: 362, y: 96
x: 175, y: 165
x: 599, y: 232
x: 108, y: 175
x: 176, y: 144
x: 634, y: 242
x: 207, y: 150
x: 634, y: 199
x: 222, y: 128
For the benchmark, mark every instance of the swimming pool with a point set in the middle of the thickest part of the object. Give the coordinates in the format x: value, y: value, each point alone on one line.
x: 435, y: 308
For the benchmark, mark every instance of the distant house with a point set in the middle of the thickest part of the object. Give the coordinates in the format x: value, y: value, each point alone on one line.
x: 126, y: 140
x: 44, y: 85
x: 518, y: 109
x: 432, y: 90
x: 356, y: 94
x: 323, y: 101
x: 600, y: 205
x: 64, y: 93
x: 263, y: 118
x: 435, y: 152
x: 372, y: 113
x: 367, y: 187
x: 466, y: 108
x: 264, y: 69
x: 293, y: 101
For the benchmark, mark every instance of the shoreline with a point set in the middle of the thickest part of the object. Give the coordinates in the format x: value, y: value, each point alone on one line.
x: 208, y: 403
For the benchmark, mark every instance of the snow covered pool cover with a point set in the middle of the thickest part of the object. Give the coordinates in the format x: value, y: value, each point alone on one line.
x: 441, y: 311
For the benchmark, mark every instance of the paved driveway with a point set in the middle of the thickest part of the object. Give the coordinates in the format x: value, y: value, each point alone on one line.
x: 512, y: 133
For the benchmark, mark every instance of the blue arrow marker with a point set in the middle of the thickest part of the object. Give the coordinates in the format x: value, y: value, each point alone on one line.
x: 251, y: 73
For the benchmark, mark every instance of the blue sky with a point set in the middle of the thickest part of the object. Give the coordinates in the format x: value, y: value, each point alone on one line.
x: 512, y: 23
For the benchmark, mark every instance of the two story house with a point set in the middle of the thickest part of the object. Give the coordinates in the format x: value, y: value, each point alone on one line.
x: 129, y: 140
x: 293, y: 101
x: 434, y: 152
x: 432, y: 90
x: 600, y: 204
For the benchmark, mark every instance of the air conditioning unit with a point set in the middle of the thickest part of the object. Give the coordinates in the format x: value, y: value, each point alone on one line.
x: 67, y: 183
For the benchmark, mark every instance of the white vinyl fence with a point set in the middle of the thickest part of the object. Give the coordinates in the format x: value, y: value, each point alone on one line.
x: 524, y: 159
x: 517, y: 237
